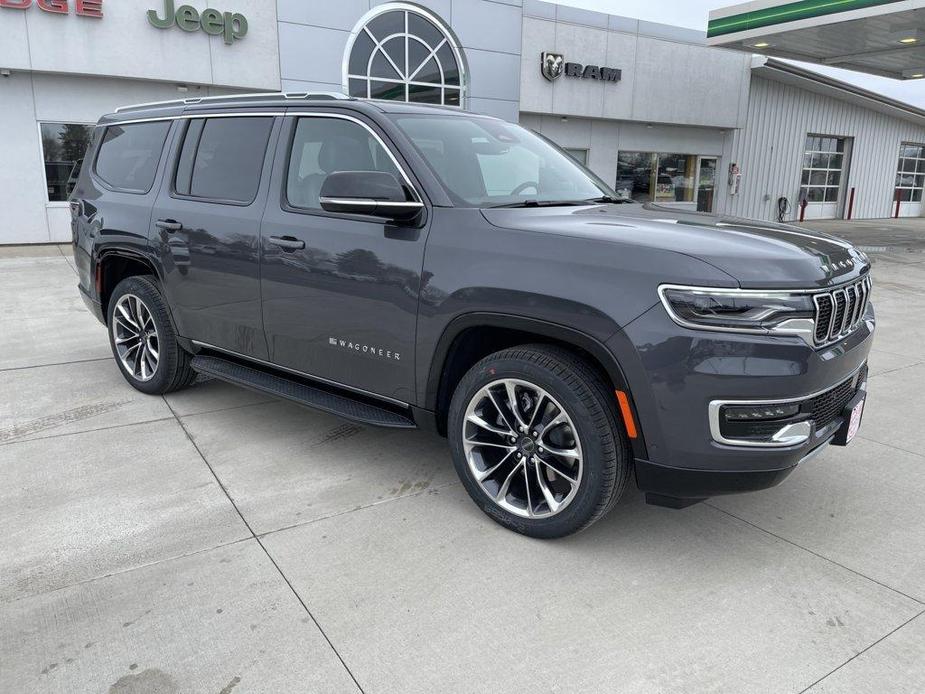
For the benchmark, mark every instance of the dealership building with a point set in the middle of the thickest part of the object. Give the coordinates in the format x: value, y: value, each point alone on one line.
x: 662, y: 114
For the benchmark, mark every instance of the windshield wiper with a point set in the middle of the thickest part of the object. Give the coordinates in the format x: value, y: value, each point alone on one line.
x: 610, y: 199
x: 542, y: 203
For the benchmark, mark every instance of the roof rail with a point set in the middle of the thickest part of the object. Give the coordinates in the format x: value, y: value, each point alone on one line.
x: 234, y: 98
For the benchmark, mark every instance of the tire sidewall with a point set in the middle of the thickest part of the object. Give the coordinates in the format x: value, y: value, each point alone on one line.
x: 146, y: 290
x: 597, y: 451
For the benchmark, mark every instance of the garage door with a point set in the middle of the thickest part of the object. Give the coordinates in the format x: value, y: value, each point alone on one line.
x: 821, y: 182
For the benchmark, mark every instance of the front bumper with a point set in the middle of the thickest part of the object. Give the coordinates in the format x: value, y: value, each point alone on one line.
x: 675, y: 374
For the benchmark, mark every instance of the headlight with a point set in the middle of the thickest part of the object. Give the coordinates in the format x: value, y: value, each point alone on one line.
x: 740, y: 310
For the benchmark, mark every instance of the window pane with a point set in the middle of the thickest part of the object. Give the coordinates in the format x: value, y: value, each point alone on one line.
x: 908, y: 165
x: 422, y: 28
x: 820, y: 161
x: 359, y: 54
x: 188, y: 156
x: 815, y: 194
x: 63, y: 147
x: 905, y: 194
x: 359, y: 88
x: 482, y: 161
x: 634, y: 175
x: 386, y: 90
x: 396, y: 51
x: 451, y: 97
x: 230, y: 158
x: 835, y: 161
x: 322, y: 146
x: 675, y: 181
x: 834, y: 178
x: 424, y: 95
x: 448, y: 62
x: 917, y: 195
x: 831, y: 194
x: 817, y: 178
x: 129, y: 154
x: 387, y: 24
x: 381, y: 67
x: 706, y: 185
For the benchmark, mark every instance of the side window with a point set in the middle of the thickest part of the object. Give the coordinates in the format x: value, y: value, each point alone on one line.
x: 128, y: 156
x: 222, y: 158
x: 322, y: 146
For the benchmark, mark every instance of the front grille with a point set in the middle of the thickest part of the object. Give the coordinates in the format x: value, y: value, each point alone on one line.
x: 840, y: 311
x: 826, y: 408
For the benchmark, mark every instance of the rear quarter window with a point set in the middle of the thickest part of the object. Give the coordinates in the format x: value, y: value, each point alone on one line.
x: 128, y: 155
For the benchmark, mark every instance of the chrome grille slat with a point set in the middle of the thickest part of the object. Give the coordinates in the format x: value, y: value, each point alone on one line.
x: 840, y: 311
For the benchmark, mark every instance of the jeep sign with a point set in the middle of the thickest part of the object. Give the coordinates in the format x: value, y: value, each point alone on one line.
x: 231, y: 25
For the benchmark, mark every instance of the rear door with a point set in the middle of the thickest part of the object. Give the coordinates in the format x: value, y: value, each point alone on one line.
x: 340, y: 292
x: 205, y: 228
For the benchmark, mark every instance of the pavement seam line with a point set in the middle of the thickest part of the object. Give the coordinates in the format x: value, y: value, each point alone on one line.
x: 815, y: 554
x: 60, y: 363
x: 885, y: 636
x: 127, y: 570
x: 380, y: 502
x: 898, y: 368
x: 261, y: 545
x: 918, y: 454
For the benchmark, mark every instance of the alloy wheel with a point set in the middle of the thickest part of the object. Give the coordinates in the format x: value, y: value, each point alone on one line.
x: 135, y: 337
x: 522, y: 448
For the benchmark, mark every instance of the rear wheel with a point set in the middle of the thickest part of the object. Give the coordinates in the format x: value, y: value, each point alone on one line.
x: 536, y: 442
x: 143, y: 339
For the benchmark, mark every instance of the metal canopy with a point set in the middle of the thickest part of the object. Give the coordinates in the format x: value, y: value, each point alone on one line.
x: 880, y: 37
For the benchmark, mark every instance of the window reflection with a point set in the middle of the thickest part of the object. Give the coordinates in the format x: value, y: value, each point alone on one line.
x: 63, y: 149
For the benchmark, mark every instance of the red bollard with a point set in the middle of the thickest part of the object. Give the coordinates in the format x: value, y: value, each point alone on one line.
x: 803, y: 204
x: 896, y: 214
x: 850, y: 203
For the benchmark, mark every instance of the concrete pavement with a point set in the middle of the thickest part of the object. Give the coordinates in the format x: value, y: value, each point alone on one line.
x: 214, y: 540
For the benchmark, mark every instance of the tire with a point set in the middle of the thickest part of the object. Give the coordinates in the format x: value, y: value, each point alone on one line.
x: 158, y: 364
x: 583, y: 461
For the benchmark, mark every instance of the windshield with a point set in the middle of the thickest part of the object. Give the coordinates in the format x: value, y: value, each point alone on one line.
x: 489, y: 163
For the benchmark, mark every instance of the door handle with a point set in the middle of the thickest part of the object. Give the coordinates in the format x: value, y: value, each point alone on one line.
x: 168, y: 225
x: 287, y: 243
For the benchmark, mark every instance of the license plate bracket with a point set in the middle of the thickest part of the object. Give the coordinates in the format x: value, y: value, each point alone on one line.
x: 851, y: 416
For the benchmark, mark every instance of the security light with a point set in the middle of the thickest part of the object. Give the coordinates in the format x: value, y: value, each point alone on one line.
x: 907, y: 36
x: 914, y: 73
x: 761, y: 44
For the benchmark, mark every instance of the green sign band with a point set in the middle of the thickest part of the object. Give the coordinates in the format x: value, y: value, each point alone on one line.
x: 791, y: 12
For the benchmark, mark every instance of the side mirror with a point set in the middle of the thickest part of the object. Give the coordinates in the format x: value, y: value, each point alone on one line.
x: 367, y: 192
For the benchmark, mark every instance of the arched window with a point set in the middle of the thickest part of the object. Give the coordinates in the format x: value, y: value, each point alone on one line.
x: 401, y: 51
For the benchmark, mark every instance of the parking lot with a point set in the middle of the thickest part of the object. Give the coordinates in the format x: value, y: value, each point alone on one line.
x: 216, y: 541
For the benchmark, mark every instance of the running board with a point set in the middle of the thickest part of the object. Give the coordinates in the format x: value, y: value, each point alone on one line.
x: 302, y: 393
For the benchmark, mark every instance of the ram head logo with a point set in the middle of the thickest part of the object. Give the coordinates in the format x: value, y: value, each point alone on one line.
x: 551, y: 65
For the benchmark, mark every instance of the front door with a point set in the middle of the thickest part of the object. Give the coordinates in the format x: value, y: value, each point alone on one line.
x: 340, y: 292
x: 205, y: 228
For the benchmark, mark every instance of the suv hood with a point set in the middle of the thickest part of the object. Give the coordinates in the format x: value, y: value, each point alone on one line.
x: 758, y: 255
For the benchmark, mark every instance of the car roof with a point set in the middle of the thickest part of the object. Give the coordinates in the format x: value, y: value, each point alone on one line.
x: 262, y: 101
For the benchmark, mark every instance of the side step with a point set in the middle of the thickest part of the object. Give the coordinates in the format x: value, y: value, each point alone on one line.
x: 301, y: 393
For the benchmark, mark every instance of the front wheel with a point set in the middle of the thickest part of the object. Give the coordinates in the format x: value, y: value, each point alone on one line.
x: 143, y: 339
x: 536, y: 442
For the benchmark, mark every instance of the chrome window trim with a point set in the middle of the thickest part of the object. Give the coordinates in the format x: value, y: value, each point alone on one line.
x: 282, y: 114
x: 713, y: 410
x: 304, y: 374
x: 388, y: 150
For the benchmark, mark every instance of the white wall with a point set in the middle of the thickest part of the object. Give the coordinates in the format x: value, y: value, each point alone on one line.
x: 26, y: 99
x: 122, y: 43
x: 663, y: 80
x: 605, y: 139
x: 769, y: 149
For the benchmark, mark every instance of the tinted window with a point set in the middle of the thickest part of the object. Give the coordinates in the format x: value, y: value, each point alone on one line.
x: 324, y: 145
x: 64, y: 145
x: 485, y: 162
x: 128, y: 156
x: 222, y: 158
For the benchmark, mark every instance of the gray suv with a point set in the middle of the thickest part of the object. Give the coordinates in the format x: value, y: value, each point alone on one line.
x: 412, y: 266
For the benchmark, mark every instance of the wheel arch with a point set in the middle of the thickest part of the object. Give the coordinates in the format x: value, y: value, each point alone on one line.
x: 114, y: 265
x: 470, y: 337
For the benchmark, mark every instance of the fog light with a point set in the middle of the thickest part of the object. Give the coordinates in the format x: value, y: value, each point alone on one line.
x: 759, y: 412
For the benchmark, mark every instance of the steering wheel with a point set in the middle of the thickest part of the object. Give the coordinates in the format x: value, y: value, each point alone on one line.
x: 523, y: 186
